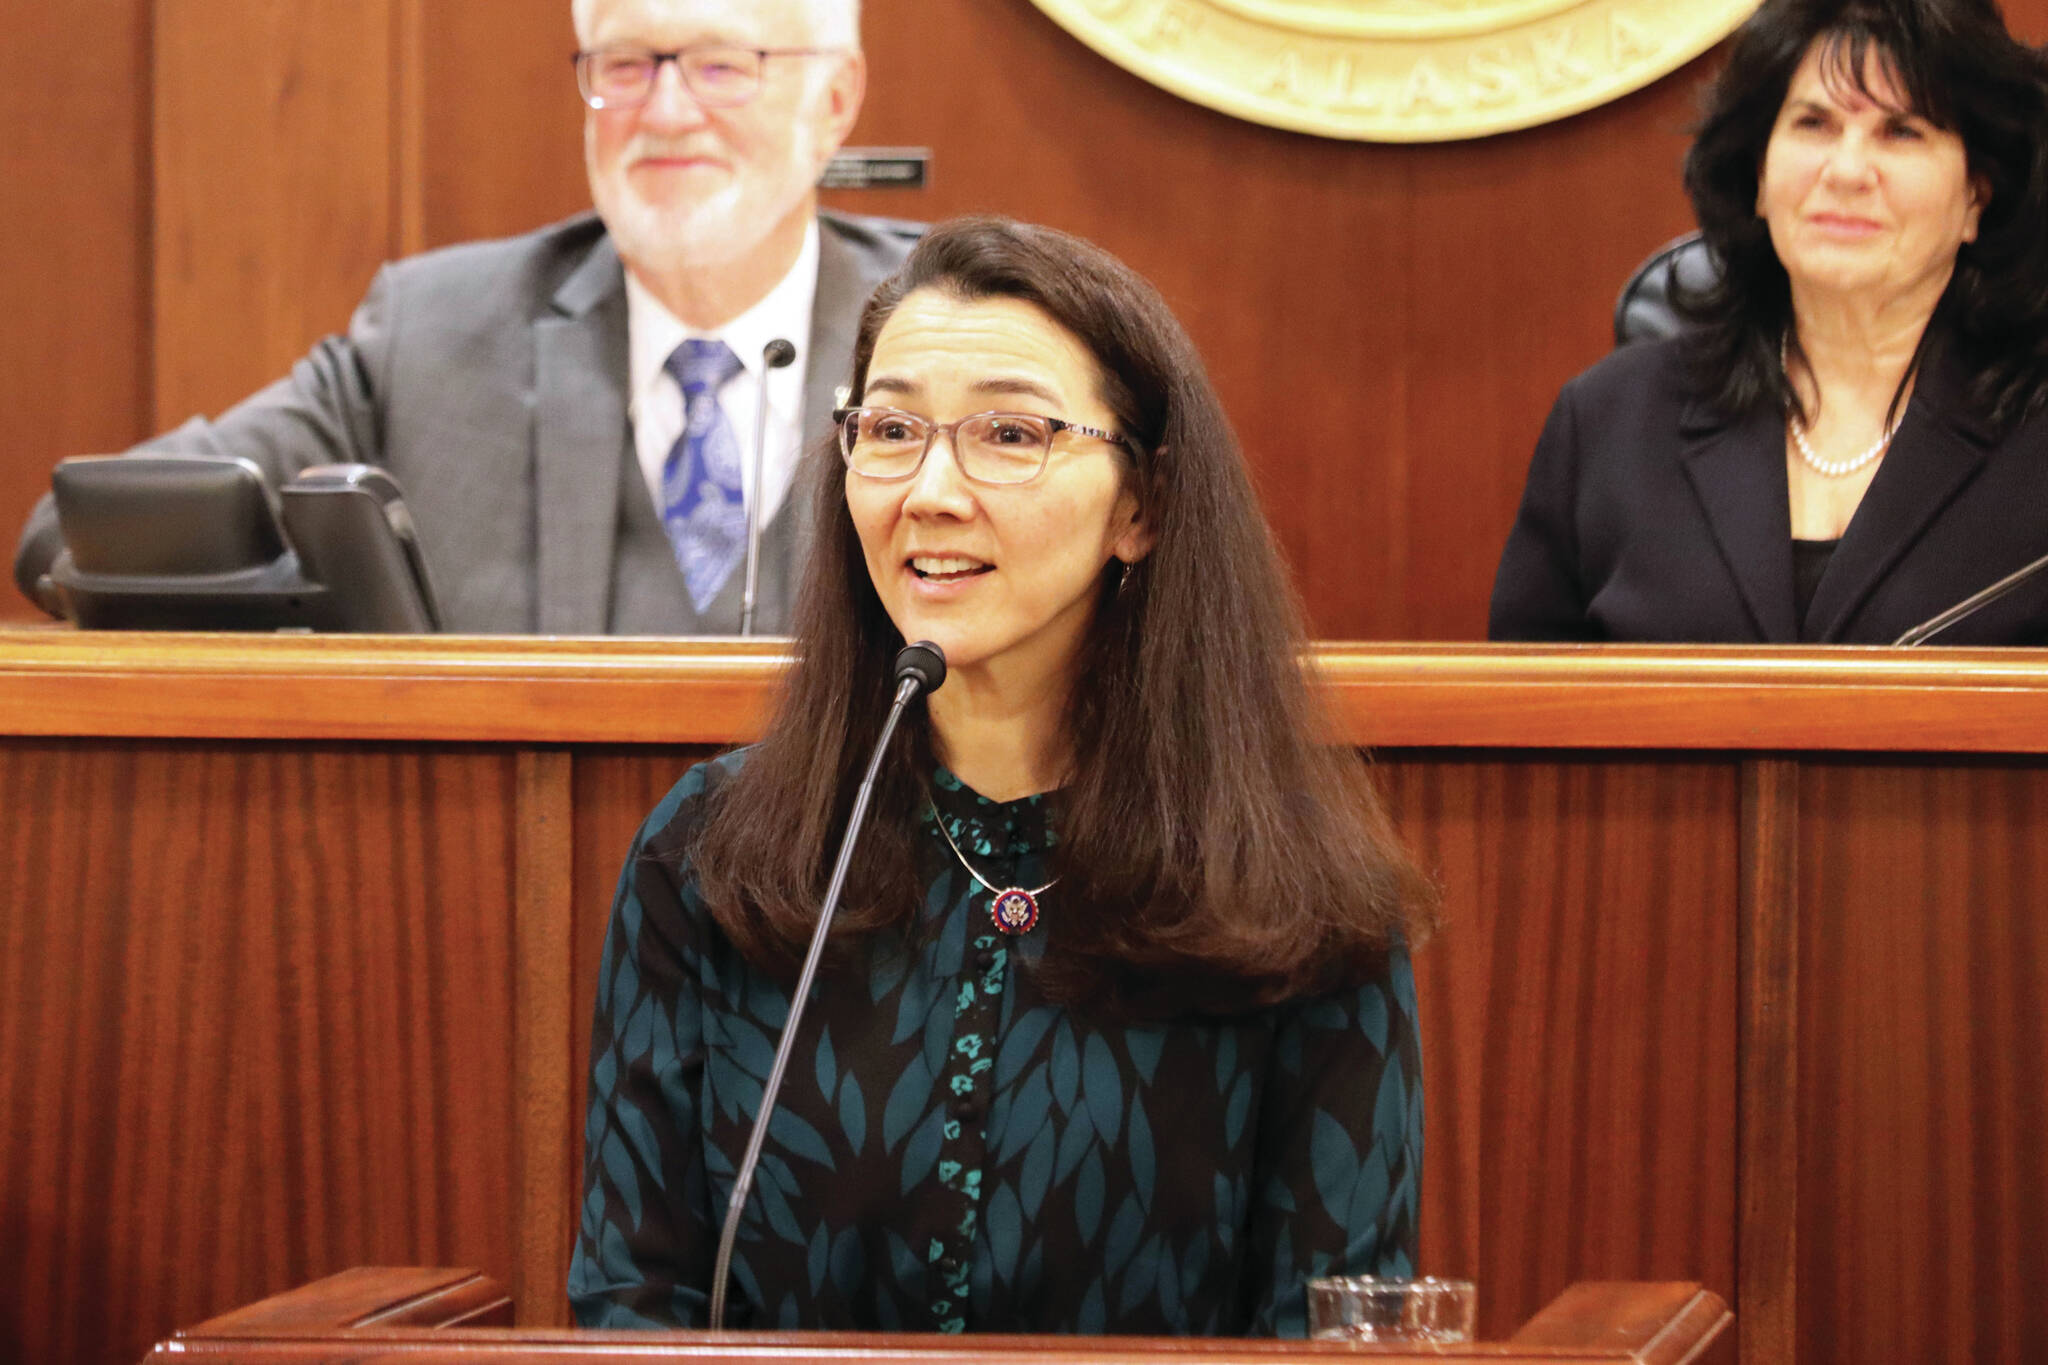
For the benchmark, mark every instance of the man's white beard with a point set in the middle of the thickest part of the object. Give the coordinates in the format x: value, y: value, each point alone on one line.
x: 713, y: 230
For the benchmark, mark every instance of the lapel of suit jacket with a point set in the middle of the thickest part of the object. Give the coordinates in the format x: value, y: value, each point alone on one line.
x: 1737, y: 471
x: 843, y: 288
x: 580, y: 433
x: 844, y: 283
x: 1937, y: 450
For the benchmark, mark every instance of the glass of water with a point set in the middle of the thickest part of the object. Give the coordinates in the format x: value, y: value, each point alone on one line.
x: 1369, y: 1308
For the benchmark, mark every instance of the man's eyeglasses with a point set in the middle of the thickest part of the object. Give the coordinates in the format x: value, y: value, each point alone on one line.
x: 623, y: 77
x: 989, y: 447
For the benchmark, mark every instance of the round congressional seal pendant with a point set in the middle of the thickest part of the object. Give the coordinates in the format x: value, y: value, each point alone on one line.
x: 1399, y: 70
x: 1014, y: 910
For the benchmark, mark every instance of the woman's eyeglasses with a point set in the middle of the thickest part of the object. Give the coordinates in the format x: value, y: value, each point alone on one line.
x: 989, y: 447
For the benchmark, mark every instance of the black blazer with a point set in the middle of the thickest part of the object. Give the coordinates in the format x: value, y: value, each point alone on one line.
x: 1650, y: 516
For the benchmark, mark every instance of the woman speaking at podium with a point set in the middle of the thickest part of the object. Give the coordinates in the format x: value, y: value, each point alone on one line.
x: 1116, y: 1031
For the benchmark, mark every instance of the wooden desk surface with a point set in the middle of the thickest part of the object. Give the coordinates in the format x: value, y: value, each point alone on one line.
x: 429, y: 1316
x: 617, y: 691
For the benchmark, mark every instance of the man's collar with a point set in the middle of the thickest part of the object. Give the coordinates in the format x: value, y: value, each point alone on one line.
x: 784, y: 312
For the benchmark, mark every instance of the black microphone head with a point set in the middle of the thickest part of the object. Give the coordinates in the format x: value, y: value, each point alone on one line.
x: 923, y: 661
x: 777, y: 353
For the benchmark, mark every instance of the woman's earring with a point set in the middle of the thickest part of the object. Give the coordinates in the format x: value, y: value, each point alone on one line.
x: 1123, y: 583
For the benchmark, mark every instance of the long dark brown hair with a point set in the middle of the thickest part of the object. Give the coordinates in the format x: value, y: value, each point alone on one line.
x: 1214, y: 854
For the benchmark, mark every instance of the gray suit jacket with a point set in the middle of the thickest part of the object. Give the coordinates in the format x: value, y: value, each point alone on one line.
x: 490, y: 379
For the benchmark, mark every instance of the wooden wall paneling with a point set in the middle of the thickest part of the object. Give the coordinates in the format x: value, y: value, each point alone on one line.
x: 543, y: 1060
x: 1520, y: 244
x: 1923, y: 1067
x: 1579, y: 1016
x: 274, y: 186
x: 502, y: 148
x: 2028, y: 19
x: 409, y: 95
x: 1439, y: 808
x: 49, y: 1069
x: 1767, y: 1291
x: 374, y: 891
x: 74, y: 177
x: 256, y: 1027
x: 355, y: 920
x: 615, y: 787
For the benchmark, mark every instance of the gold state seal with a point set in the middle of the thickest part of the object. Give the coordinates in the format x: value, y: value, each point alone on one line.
x: 1399, y: 70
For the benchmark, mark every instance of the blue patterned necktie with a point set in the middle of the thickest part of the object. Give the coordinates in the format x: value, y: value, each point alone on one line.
x: 703, y: 504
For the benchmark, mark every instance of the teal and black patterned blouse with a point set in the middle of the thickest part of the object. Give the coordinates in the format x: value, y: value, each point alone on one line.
x: 951, y: 1151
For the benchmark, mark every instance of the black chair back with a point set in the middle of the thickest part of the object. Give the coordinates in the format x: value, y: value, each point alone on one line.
x: 1644, y: 311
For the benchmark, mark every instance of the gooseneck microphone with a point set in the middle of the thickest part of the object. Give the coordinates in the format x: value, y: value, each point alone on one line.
x: 1971, y: 605
x: 919, y: 668
x: 774, y: 356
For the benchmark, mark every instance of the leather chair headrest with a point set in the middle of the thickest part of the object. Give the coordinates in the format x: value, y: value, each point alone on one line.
x: 1644, y: 311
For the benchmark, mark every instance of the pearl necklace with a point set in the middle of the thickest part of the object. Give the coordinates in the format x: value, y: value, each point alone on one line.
x: 1014, y: 910
x: 1833, y: 469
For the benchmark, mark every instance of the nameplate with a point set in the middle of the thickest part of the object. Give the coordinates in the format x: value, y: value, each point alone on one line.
x: 878, y: 168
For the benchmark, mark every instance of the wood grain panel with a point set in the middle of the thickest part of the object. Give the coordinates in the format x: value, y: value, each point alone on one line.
x: 1579, y: 1022
x: 1767, y: 1038
x: 502, y: 126
x: 625, y: 691
x: 310, y: 970
x: 1923, y: 1070
x: 614, y: 789
x: 370, y: 1296
x: 276, y: 131
x: 74, y: 176
x: 544, y: 991
x: 254, y: 1029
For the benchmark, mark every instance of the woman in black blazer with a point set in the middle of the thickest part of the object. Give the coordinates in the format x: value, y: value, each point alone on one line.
x: 1851, y: 437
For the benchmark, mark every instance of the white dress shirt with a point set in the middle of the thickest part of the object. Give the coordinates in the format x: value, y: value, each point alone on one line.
x: 656, y: 400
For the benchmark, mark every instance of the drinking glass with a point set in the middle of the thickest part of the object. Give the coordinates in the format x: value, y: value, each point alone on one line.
x: 1372, y: 1308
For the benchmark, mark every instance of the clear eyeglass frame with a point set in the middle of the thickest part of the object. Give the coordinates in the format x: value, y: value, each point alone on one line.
x: 980, y: 460
x: 718, y: 75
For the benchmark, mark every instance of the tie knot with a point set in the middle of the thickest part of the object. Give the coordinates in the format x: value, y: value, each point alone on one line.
x: 702, y: 365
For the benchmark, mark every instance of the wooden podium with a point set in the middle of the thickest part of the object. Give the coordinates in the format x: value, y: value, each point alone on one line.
x: 1741, y: 979
x: 439, y: 1317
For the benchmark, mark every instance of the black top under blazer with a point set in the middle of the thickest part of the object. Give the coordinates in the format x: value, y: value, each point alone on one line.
x: 1650, y: 516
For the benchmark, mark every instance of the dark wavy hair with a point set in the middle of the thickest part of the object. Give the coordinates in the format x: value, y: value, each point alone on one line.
x: 1957, y: 67
x: 1214, y: 852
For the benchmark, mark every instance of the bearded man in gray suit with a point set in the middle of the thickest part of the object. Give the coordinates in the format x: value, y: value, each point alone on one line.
x: 567, y: 411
